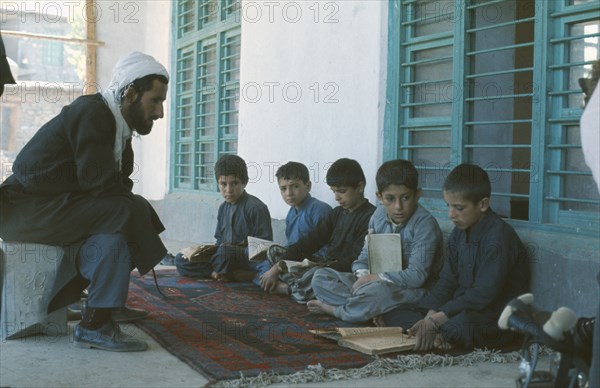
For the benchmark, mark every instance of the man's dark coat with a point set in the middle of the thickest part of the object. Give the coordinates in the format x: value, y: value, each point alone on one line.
x: 66, y: 186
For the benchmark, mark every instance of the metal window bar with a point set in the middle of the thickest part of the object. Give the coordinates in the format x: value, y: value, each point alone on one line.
x: 497, y: 146
x: 427, y: 18
x: 502, y: 48
x: 426, y: 38
x: 567, y: 190
x: 569, y: 11
x: 573, y: 200
x: 231, y: 6
x: 210, y: 11
x: 500, y: 72
x: 185, y: 16
x: 206, y: 82
x: 427, y: 61
x: 569, y: 65
x: 409, y: 47
x: 472, y: 6
x: 475, y: 143
x: 572, y: 38
x: 499, y: 25
x: 495, y: 122
x: 184, y: 121
x: 424, y: 146
x: 559, y: 146
x: 499, y: 97
x: 421, y: 83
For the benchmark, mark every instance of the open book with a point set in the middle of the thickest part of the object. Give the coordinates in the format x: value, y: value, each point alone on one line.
x: 199, y: 253
x: 258, y: 247
x: 296, y: 266
x: 385, y: 252
x: 369, y: 340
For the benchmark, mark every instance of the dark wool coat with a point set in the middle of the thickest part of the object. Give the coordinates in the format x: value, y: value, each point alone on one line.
x: 343, y: 231
x: 482, y: 271
x: 66, y: 186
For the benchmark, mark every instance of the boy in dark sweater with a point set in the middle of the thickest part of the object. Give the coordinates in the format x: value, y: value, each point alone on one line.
x: 240, y: 215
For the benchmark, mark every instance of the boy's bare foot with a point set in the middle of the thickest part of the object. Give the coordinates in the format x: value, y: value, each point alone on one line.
x: 378, y: 321
x: 317, y: 307
x: 441, y: 344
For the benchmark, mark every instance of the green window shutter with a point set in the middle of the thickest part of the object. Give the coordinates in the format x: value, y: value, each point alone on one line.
x: 207, y: 90
x: 469, y: 81
x: 426, y: 89
x: 573, y: 44
x: 497, y: 97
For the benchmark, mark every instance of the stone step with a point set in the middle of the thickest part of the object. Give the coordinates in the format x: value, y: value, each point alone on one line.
x: 27, y: 273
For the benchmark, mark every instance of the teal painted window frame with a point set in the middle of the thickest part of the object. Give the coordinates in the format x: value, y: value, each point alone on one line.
x: 205, y: 90
x: 547, y: 180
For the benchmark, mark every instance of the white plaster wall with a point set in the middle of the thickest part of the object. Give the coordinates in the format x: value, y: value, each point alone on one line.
x: 288, y: 53
x: 139, y: 26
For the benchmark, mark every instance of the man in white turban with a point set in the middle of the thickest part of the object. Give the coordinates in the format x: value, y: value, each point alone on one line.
x: 71, y: 187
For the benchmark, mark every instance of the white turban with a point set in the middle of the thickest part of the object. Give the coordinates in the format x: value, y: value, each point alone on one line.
x: 132, y: 66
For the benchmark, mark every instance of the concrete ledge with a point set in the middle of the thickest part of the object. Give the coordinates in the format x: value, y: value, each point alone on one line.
x: 27, y: 276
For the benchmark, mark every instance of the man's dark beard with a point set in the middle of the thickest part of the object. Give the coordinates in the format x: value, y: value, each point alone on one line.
x: 137, y: 116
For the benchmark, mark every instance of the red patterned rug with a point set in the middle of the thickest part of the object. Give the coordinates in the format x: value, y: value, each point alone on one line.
x: 223, y: 330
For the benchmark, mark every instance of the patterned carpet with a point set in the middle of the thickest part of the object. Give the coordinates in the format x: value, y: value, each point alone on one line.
x: 224, y: 330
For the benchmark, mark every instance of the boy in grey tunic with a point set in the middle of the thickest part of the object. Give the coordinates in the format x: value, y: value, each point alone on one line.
x: 360, y: 296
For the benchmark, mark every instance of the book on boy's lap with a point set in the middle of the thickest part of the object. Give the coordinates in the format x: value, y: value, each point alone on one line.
x: 385, y: 252
x: 297, y: 266
x: 369, y: 340
x: 199, y: 253
x: 258, y: 247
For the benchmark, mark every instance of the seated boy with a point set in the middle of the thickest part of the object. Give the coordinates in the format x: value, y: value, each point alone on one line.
x: 344, y: 230
x: 360, y: 296
x: 240, y: 215
x: 305, y: 211
x: 485, y: 267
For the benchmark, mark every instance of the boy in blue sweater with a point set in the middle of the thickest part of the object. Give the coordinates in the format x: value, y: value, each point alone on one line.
x: 305, y: 210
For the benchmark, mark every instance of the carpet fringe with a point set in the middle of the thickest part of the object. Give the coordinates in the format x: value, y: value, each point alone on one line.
x: 378, y: 368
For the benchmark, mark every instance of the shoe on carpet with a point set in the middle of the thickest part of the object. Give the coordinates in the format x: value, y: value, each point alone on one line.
x: 108, y: 337
x: 127, y: 314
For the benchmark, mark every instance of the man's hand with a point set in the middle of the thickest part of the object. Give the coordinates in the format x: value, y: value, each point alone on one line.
x: 364, y: 280
x: 268, y: 281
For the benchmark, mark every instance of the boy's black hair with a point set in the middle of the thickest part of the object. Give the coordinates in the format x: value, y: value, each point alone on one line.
x: 231, y: 165
x: 293, y: 170
x: 469, y: 180
x: 398, y: 172
x: 345, y: 172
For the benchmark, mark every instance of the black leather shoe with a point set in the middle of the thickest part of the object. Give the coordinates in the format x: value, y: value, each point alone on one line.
x: 127, y: 314
x: 108, y: 337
